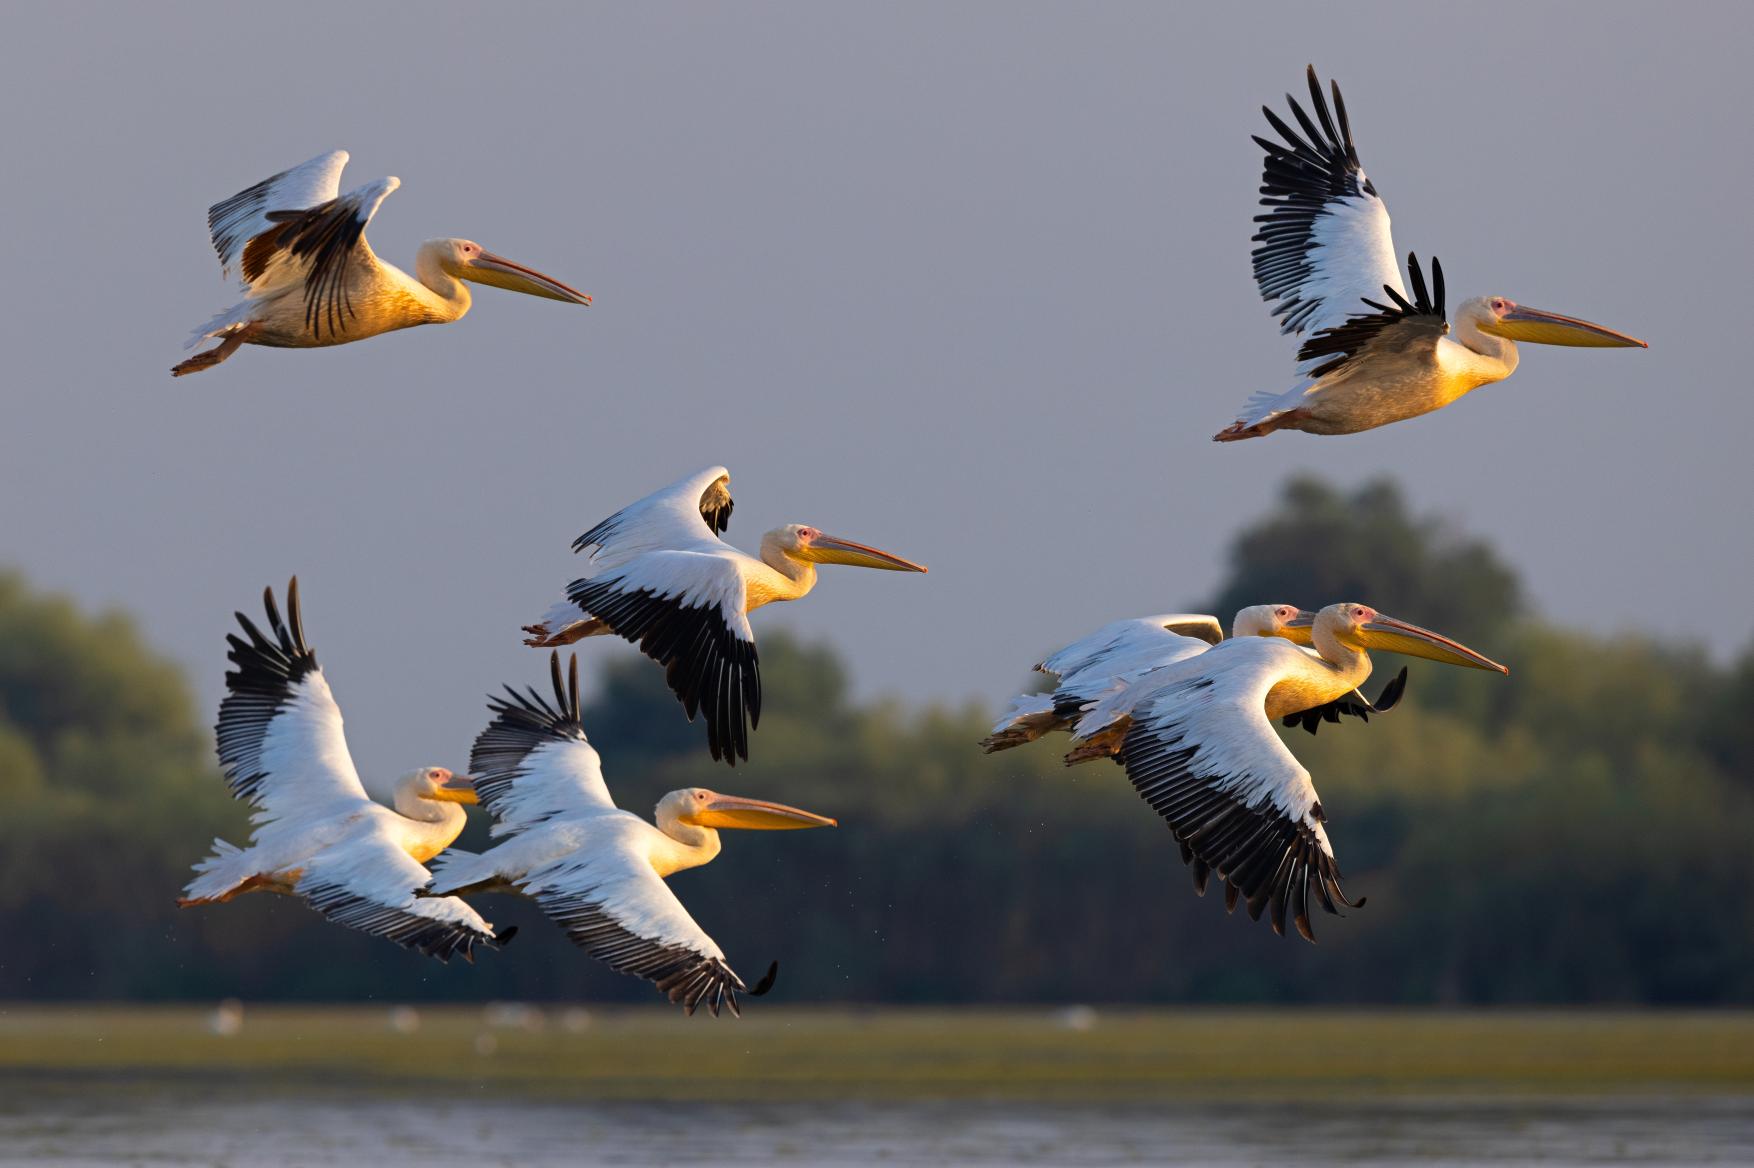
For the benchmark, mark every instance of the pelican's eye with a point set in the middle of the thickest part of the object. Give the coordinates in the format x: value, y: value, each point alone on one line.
x: 1498, y: 305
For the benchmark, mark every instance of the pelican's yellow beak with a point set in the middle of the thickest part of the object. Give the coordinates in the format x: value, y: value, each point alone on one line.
x: 1300, y: 629
x: 461, y: 789
x: 828, y: 549
x: 1521, y: 323
x: 1393, y: 636
x: 500, y: 272
x: 754, y: 815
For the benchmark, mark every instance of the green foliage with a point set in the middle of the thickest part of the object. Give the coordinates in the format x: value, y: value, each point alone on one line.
x: 1576, y: 832
x: 1323, y: 546
x: 109, y: 794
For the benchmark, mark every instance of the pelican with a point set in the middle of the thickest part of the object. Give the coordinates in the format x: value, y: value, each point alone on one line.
x: 317, y: 834
x: 311, y: 279
x: 1202, y: 751
x: 596, y: 870
x: 661, y: 578
x: 1111, y: 661
x: 1371, y: 355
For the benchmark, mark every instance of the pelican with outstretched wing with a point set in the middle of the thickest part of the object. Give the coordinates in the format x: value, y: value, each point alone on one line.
x: 660, y: 577
x: 310, y: 278
x: 596, y: 870
x: 1108, y: 665
x: 1202, y: 751
x: 1371, y: 354
x: 317, y: 834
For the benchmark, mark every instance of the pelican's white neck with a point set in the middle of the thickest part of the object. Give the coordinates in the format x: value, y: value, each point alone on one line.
x: 801, y: 573
x: 452, y: 295
x: 690, y: 844
x: 1482, y: 357
x: 1350, y: 662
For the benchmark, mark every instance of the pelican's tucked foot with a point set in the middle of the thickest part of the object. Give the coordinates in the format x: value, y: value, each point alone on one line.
x: 1006, y: 739
x: 1105, y: 745
x: 541, y: 638
x: 210, y: 358
x: 1236, y: 432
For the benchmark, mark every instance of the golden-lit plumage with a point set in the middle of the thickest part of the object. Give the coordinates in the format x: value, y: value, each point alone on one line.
x: 312, y: 280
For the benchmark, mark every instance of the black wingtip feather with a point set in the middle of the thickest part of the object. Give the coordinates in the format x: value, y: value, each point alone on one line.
x: 266, y: 676
x: 710, y: 668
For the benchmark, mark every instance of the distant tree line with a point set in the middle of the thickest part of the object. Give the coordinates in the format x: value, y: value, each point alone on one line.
x: 1578, y: 832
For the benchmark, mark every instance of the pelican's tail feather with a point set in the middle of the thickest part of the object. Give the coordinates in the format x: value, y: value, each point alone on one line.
x: 455, y: 871
x: 219, y: 874
x: 223, y: 325
x: 1261, y: 410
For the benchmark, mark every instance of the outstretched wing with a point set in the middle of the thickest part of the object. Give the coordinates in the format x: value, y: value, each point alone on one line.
x: 689, y: 513
x: 1353, y: 705
x: 1125, y: 650
x: 1324, y: 240
x: 280, y: 737
x: 1095, y: 666
x: 368, y: 882
x: 614, y: 906
x: 1203, y: 754
x: 241, y: 218
x: 314, y: 250
x: 1128, y: 640
x: 687, y: 611
x: 1381, y: 331
x: 533, y: 763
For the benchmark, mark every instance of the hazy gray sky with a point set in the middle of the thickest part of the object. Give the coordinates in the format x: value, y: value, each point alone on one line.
x: 969, y: 282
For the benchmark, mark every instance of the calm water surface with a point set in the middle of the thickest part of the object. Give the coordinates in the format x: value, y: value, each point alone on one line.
x: 102, y: 1125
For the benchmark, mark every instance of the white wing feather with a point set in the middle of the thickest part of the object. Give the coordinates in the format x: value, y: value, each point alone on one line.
x: 1217, y: 704
x: 612, y: 872
x: 308, y: 771
x: 239, y: 219
x: 666, y: 519
x: 1326, y: 244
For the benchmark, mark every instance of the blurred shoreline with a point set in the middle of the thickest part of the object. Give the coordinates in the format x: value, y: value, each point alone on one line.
x: 1062, y: 1054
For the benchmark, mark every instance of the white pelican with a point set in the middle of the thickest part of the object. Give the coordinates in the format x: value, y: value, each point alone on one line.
x: 596, y: 870
x: 1203, y: 752
x: 1112, y: 660
x: 311, y: 279
x: 317, y: 834
x: 1372, y: 356
x: 661, y: 578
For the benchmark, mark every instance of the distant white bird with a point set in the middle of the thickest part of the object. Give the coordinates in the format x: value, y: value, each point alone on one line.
x: 1202, y: 751
x: 1373, y: 356
x: 1111, y: 661
x: 317, y: 834
x: 596, y: 870
x: 661, y: 578
x: 311, y: 279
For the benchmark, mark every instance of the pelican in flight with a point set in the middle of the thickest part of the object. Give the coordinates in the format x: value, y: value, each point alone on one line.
x: 596, y: 870
x: 1115, y: 657
x: 1371, y: 355
x: 660, y: 577
x: 311, y: 279
x: 317, y: 834
x: 1201, y: 749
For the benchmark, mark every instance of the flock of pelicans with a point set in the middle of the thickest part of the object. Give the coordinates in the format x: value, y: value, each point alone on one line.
x: 1187, y: 712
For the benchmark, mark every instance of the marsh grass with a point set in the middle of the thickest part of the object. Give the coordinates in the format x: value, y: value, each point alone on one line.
x: 888, y: 1054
